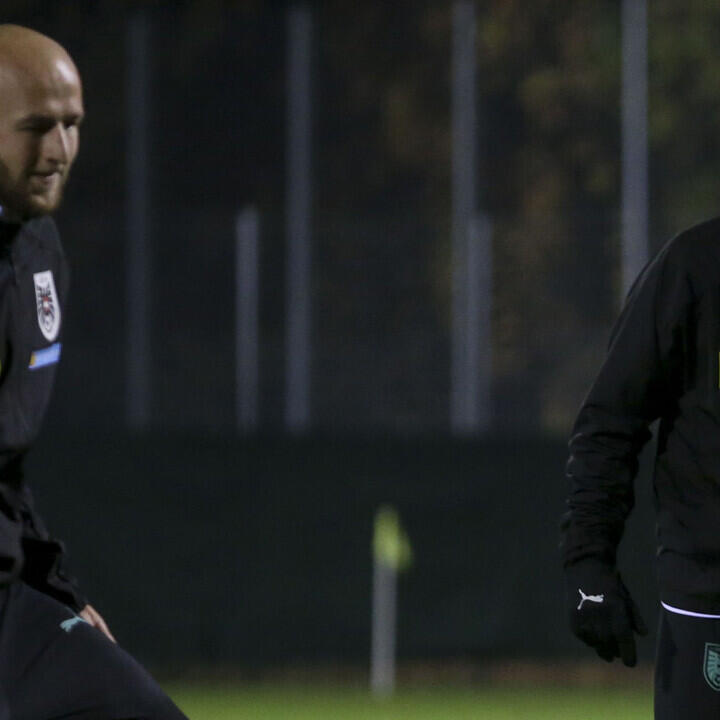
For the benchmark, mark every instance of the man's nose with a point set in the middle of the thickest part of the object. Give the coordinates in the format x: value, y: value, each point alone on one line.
x: 56, y: 147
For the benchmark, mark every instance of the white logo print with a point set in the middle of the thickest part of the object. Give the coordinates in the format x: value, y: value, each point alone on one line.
x: 48, y: 307
x: 589, y: 598
x: 67, y: 625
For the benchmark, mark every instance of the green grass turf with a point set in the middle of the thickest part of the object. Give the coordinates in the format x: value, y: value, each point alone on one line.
x: 276, y: 702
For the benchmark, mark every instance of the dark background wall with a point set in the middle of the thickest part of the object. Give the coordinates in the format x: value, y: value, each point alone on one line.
x: 209, y: 549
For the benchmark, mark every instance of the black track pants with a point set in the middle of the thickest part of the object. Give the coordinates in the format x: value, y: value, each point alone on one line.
x: 52, y: 665
x: 687, y: 668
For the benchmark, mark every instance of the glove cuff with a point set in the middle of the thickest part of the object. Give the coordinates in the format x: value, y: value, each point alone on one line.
x: 591, y: 575
x: 590, y: 565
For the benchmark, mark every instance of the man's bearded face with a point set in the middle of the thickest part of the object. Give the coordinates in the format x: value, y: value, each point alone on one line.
x: 40, y: 120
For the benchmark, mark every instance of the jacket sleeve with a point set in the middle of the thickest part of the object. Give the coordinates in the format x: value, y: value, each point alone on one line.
x: 637, y: 383
x: 43, y: 567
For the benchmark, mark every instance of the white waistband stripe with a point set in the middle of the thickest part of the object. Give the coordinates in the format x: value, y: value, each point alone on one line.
x: 678, y: 611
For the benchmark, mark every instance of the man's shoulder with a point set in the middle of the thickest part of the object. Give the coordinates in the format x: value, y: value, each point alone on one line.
x: 692, y: 257
x: 701, y: 237
x: 696, y: 249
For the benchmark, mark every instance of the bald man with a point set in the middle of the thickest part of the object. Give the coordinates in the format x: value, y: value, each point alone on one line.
x: 57, y: 655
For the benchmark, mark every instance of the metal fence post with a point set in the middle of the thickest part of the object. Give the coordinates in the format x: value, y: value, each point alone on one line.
x: 298, y: 202
x: 247, y: 231
x: 137, y: 112
x: 634, y: 141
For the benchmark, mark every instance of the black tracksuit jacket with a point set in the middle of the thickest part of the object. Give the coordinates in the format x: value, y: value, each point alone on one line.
x: 33, y: 290
x: 663, y: 362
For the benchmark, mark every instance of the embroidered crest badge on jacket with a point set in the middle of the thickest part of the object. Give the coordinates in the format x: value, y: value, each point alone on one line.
x: 48, y: 307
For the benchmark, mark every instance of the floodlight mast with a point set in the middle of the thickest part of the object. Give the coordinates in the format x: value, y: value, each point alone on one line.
x: 471, y: 353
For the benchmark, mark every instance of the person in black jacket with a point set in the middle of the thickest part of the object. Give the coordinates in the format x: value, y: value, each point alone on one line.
x: 57, y: 656
x: 663, y: 363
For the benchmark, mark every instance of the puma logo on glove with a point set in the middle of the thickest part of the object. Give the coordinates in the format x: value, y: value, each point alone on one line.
x: 608, y: 619
x: 589, y: 598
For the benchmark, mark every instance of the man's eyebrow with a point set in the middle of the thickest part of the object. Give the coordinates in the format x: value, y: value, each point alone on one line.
x: 35, y: 119
x: 41, y: 119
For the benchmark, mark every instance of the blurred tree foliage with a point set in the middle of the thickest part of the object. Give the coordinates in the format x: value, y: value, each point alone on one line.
x: 549, y: 87
x: 684, y: 113
x: 548, y: 76
x: 549, y: 165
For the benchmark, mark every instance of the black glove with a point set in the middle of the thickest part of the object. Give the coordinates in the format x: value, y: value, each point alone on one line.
x: 602, y: 613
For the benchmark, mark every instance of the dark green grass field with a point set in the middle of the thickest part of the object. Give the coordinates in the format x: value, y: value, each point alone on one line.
x: 208, y: 701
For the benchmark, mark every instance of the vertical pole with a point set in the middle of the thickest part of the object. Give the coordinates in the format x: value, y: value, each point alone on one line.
x: 463, y: 201
x: 391, y: 554
x: 384, y: 629
x: 247, y: 231
x: 298, y: 312
x: 634, y: 141
x: 137, y: 98
x: 478, y: 330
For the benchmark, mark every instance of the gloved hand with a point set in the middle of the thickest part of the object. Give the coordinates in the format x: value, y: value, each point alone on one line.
x: 602, y: 613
